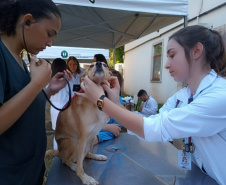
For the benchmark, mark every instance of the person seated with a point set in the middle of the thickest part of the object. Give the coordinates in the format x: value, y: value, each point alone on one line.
x: 148, y: 106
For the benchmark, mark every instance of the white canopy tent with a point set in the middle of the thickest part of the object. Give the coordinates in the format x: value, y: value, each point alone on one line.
x: 113, y: 23
x: 65, y: 52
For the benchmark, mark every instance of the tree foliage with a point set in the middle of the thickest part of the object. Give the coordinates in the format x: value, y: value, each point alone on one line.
x: 119, y: 52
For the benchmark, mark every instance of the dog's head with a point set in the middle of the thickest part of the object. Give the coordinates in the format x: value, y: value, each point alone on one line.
x: 98, y: 72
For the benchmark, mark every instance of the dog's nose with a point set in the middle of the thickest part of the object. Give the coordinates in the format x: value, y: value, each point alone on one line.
x: 98, y: 64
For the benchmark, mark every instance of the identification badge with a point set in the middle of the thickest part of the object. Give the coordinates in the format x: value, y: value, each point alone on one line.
x: 184, y: 160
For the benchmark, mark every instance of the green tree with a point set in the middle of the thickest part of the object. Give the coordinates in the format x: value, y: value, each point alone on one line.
x: 119, y: 52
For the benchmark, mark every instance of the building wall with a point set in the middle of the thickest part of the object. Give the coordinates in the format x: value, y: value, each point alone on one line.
x: 138, y: 60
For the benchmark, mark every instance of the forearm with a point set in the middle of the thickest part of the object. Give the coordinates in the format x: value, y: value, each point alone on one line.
x: 105, y: 127
x: 11, y: 110
x: 130, y: 120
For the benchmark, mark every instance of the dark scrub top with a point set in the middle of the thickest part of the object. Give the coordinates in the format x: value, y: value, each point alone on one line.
x: 22, y: 147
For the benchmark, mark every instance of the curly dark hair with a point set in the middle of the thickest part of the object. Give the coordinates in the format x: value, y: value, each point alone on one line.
x: 11, y: 10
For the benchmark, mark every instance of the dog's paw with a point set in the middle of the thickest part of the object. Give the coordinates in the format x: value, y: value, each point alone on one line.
x: 88, y: 180
x: 100, y: 157
x: 97, y: 157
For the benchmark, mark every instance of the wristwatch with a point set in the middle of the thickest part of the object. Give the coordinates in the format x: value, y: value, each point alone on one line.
x: 100, y: 102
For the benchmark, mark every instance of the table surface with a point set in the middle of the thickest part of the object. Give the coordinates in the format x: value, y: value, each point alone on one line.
x: 131, y: 162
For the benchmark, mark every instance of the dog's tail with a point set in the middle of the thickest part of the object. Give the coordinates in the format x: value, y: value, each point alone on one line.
x: 52, y: 153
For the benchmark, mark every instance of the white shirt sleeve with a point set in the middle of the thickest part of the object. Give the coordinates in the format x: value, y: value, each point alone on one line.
x: 203, y: 117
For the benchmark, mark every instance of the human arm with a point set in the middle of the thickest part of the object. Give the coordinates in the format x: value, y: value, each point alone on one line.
x: 11, y: 110
x: 112, y: 105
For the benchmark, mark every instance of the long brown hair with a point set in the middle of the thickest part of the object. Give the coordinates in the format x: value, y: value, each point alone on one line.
x: 76, y: 61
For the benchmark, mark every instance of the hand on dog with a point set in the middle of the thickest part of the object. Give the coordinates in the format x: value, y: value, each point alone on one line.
x: 91, y: 90
x: 114, y: 89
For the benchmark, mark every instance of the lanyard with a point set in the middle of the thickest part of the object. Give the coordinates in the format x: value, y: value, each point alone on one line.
x: 187, y: 146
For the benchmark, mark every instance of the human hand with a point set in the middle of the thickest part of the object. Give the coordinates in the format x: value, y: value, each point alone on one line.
x: 57, y: 82
x: 91, y: 90
x: 114, y: 89
x: 40, y: 75
x: 113, y: 128
x: 140, y: 108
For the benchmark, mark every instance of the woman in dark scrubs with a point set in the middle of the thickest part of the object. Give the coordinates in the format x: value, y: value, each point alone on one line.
x: 30, y: 25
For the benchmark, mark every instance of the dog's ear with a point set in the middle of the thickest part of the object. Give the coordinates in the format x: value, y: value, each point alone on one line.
x: 83, y: 76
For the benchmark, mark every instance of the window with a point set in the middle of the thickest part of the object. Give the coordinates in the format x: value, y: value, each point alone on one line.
x: 157, y: 63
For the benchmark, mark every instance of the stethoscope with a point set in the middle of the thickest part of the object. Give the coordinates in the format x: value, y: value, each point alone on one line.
x: 29, y: 59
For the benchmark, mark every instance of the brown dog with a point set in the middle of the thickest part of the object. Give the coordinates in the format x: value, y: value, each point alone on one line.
x: 77, y: 127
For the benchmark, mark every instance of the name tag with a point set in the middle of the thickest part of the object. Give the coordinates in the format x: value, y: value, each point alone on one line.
x: 184, y: 160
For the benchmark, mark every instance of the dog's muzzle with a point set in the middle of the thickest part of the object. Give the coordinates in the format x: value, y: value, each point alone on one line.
x: 99, y: 68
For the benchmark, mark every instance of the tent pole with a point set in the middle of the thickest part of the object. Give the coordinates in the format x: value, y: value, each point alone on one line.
x: 113, y: 57
x: 185, y: 21
x: 113, y: 47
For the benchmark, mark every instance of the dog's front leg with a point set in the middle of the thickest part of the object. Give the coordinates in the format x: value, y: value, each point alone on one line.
x: 79, y: 167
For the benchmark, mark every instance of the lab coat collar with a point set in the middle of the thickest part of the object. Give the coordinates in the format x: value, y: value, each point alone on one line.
x: 206, y: 82
x: 185, y: 93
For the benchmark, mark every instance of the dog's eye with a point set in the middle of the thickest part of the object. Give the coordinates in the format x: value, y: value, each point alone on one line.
x: 105, y: 65
x: 91, y: 66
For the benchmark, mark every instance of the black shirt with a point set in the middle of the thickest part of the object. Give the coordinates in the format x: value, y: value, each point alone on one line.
x: 22, y: 146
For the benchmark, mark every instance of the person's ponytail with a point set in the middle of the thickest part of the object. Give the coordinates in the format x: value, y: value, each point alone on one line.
x: 216, y: 55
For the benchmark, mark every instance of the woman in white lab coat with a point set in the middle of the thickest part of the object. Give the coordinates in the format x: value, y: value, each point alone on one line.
x: 196, y: 56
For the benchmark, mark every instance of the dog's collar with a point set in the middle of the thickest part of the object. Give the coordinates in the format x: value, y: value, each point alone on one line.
x: 80, y: 91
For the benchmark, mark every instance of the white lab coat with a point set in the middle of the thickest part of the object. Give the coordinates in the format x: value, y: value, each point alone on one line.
x: 204, y: 119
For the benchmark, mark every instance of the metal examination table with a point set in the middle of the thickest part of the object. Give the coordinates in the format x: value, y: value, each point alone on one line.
x: 131, y: 162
